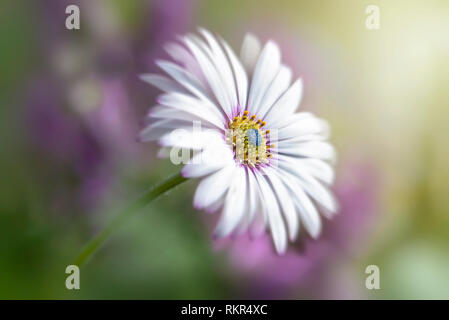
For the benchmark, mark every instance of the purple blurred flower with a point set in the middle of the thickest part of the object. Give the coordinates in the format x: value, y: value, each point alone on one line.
x: 166, y: 19
x: 60, y: 138
x: 81, y: 113
x: 113, y: 121
x: 169, y: 18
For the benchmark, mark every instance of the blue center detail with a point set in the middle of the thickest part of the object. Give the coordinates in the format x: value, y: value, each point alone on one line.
x: 254, y: 137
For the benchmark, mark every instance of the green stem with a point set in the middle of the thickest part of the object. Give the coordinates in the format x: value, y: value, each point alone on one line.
x: 94, y: 244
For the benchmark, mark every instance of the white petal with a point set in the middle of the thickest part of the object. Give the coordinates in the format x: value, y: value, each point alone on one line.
x: 309, y: 215
x: 286, y: 105
x: 211, y: 74
x: 216, y: 206
x: 216, y: 154
x: 223, y: 66
x: 250, y: 52
x: 265, y: 71
x: 280, y: 83
x: 287, y: 121
x: 162, y: 83
x: 194, y: 106
x: 254, y: 195
x: 252, y: 202
x: 158, y: 128
x: 197, y: 168
x: 258, y: 217
x: 184, y: 57
x: 234, y: 206
x: 314, y: 188
x: 164, y: 112
x: 311, y: 149
x: 213, y: 187
x: 293, y: 141
x: 196, y: 140
x: 285, y: 202
x: 317, y: 168
x: 306, y: 209
x: 303, y: 125
x: 271, y: 207
x: 188, y: 81
x: 197, y: 171
x: 241, y: 77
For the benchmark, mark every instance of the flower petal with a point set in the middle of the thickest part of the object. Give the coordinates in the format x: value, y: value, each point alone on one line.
x: 162, y: 83
x: 234, y: 206
x: 301, y: 125
x: 164, y: 112
x: 214, y: 156
x: 286, y: 105
x: 280, y: 83
x: 306, y: 209
x: 192, y: 105
x: 253, y: 201
x: 223, y: 66
x: 250, y: 52
x: 197, y: 140
x: 315, y: 189
x: 213, y: 187
x: 180, y: 54
x: 196, y: 168
x: 188, y: 81
x: 211, y: 74
x: 310, y: 149
x: 265, y: 71
x: 285, y: 202
x: 316, y: 167
x: 271, y: 207
x: 241, y: 78
x: 159, y: 128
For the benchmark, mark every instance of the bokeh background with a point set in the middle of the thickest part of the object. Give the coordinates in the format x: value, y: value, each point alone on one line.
x: 72, y: 105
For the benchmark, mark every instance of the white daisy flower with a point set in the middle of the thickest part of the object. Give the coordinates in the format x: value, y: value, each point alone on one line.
x: 245, y: 104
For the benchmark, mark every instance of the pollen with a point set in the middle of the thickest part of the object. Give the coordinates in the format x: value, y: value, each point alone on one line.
x: 249, y: 141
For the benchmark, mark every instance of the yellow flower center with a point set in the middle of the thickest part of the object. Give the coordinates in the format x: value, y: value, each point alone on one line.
x: 249, y: 140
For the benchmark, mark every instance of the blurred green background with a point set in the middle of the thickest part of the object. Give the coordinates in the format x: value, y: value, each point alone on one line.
x: 71, y: 107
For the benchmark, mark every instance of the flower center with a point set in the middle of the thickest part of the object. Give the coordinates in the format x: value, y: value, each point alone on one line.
x: 249, y: 140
